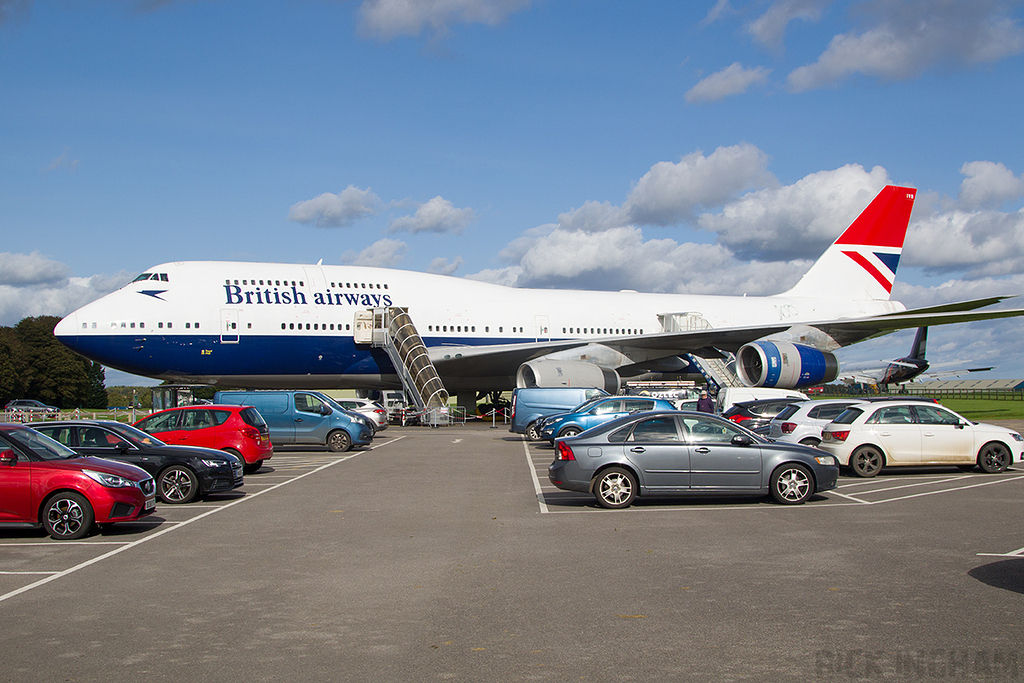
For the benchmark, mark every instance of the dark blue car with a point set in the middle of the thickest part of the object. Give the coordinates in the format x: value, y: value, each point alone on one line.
x: 598, y: 411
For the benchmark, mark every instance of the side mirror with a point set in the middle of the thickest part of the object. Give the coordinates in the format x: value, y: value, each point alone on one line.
x: 741, y: 440
x: 121, y: 447
x: 8, y: 457
x: 325, y: 409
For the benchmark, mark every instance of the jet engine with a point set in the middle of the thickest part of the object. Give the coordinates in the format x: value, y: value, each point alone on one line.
x: 784, y: 365
x: 558, y: 373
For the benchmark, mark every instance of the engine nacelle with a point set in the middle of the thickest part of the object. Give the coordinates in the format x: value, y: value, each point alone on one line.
x: 559, y: 373
x: 784, y: 365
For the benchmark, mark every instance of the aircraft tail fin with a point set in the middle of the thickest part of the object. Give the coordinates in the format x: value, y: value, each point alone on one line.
x: 861, y: 263
x: 920, y: 341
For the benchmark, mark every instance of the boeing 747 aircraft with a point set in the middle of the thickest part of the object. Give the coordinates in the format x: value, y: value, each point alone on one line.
x: 271, y: 325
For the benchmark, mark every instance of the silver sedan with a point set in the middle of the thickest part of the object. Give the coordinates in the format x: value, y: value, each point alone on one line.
x: 686, y: 454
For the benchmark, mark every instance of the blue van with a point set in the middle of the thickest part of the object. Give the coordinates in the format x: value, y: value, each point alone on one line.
x: 304, y: 418
x: 533, y: 403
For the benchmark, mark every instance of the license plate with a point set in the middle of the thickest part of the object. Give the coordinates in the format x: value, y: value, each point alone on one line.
x: 150, y: 504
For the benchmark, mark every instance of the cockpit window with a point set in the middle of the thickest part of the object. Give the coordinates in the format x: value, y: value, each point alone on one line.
x: 152, y: 276
x: 144, y: 276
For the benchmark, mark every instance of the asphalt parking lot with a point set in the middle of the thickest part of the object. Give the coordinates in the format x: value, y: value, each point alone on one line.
x: 444, y: 554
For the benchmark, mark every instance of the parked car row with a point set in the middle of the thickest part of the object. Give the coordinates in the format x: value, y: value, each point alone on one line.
x: 68, y: 475
x: 685, y: 453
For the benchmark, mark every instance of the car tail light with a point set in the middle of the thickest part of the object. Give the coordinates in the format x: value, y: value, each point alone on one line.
x: 739, y: 418
x: 564, y: 452
x: 380, y: 411
x: 838, y: 436
x: 249, y: 432
x: 788, y: 427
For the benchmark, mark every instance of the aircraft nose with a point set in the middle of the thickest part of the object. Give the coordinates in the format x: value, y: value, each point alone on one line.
x: 67, y: 330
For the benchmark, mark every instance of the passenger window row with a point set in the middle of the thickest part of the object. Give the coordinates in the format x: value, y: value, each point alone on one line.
x: 600, y: 330
x: 314, y: 326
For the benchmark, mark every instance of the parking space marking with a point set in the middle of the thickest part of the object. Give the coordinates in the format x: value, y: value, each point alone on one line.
x: 173, y: 526
x: 536, y: 480
x: 1015, y: 553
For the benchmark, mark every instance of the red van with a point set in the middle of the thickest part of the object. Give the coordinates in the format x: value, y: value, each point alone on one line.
x: 240, y: 430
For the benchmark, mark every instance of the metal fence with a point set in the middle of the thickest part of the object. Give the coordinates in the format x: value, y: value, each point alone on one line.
x: 978, y: 394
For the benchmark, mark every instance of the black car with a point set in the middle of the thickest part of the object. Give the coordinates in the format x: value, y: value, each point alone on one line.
x: 182, y: 473
x: 757, y: 414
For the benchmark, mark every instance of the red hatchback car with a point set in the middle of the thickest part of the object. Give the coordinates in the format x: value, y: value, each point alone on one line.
x: 240, y: 430
x: 43, y: 483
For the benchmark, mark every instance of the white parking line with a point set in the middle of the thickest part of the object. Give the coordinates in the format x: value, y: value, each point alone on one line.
x: 536, y: 482
x: 176, y: 525
x: 1016, y: 553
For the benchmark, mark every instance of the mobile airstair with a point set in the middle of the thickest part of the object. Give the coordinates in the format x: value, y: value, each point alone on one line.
x: 715, y: 370
x: 392, y: 329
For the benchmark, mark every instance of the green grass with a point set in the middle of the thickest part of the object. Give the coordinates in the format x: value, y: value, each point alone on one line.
x: 986, y: 409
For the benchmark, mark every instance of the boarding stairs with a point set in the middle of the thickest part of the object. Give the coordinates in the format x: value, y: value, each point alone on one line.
x: 394, y: 331
x: 715, y: 370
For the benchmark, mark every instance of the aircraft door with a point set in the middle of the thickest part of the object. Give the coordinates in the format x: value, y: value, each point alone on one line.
x: 543, y: 326
x: 229, y: 326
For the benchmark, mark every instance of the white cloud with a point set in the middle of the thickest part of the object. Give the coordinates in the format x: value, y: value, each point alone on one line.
x: 911, y: 37
x: 443, y: 266
x: 384, y: 253
x: 798, y: 220
x: 55, y: 297
x: 436, y: 215
x: 336, y: 210
x: 672, y: 193
x: 63, y: 161
x: 30, y: 269
x: 989, y: 184
x: 770, y: 28
x: 387, y: 19
x: 732, y: 80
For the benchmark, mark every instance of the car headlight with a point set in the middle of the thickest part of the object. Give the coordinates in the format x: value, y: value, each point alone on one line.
x: 825, y: 459
x: 111, y: 481
x: 1016, y: 436
x: 214, y: 463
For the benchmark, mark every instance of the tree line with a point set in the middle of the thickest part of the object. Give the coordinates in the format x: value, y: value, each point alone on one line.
x: 33, y: 364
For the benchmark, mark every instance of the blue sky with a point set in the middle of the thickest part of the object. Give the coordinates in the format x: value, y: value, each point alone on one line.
x: 707, y: 147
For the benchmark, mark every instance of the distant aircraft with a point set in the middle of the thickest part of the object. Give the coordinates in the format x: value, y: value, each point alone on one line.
x: 900, y: 370
x: 291, y: 325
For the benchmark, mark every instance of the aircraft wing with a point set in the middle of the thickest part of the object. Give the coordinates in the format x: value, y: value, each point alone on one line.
x: 505, y: 359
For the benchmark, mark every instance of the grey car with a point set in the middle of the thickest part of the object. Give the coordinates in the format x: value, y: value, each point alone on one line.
x: 676, y: 453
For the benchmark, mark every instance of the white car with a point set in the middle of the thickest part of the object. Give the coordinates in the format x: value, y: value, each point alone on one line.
x: 802, y: 422
x: 870, y: 436
x: 367, y: 408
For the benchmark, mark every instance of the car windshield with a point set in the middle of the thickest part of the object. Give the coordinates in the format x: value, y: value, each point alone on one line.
x: 40, y: 444
x: 136, y: 436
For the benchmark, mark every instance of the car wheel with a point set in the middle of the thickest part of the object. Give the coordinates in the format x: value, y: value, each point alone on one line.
x: 67, y: 516
x: 338, y: 441
x: 177, y: 484
x: 615, y: 488
x: 811, y: 441
x: 792, y: 484
x: 253, y: 467
x: 569, y: 431
x: 532, y: 433
x: 866, y: 461
x: 993, y: 457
